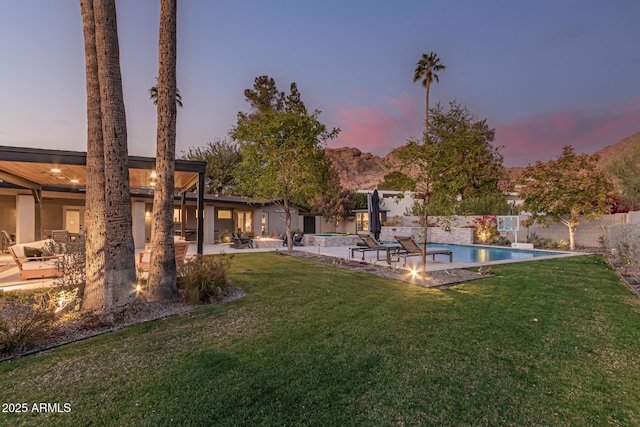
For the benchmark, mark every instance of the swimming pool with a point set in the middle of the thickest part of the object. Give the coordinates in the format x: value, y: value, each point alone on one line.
x: 464, y: 253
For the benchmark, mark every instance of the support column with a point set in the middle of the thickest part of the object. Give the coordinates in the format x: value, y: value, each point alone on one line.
x: 200, y: 190
x: 209, y: 225
x: 25, y: 219
x: 138, y: 215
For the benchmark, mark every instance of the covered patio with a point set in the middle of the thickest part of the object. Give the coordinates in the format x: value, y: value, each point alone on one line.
x: 33, y: 175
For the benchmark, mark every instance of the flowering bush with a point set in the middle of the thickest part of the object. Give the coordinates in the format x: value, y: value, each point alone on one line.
x: 486, y: 228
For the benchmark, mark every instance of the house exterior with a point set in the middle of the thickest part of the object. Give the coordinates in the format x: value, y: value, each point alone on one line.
x: 43, y: 190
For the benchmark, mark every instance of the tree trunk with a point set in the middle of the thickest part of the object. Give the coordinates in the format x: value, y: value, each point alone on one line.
x: 572, y: 230
x: 162, y: 270
x: 426, y: 125
x: 93, y: 297
x: 119, y: 262
x: 287, y: 224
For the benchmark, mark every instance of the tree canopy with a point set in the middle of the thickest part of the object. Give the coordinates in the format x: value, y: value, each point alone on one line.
x: 627, y: 174
x: 565, y: 189
x: 281, y: 144
x: 223, y: 158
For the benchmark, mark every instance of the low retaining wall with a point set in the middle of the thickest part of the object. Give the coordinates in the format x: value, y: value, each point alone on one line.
x: 328, y: 241
x: 457, y: 235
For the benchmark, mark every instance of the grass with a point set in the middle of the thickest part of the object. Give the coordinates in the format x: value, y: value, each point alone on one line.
x: 316, y: 345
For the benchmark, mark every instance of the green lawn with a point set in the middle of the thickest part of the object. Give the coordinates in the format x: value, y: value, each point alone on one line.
x: 316, y: 345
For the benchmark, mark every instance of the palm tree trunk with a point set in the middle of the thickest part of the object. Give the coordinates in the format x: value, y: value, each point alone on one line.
x: 162, y: 270
x: 93, y: 297
x: 119, y: 265
x: 426, y: 195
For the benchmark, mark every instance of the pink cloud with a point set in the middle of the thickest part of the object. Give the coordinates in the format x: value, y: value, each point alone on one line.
x: 542, y: 136
x: 376, y: 129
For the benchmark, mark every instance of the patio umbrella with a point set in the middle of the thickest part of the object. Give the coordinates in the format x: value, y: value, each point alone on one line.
x: 374, y: 215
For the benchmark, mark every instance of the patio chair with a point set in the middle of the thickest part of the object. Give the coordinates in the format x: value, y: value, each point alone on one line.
x: 181, y: 247
x: 60, y: 236
x: 6, y: 240
x: 240, y: 242
x: 297, y: 239
x: 411, y: 248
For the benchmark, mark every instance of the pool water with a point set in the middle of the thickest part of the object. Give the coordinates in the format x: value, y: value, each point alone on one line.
x: 465, y: 253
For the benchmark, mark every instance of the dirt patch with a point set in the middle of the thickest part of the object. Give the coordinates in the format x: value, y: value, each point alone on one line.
x: 435, y: 279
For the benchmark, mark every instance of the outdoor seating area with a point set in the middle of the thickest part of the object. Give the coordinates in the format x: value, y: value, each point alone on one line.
x: 6, y: 240
x: 32, y: 262
x: 296, y: 239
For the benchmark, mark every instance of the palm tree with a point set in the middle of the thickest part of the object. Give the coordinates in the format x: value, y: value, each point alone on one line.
x: 153, y: 95
x: 162, y: 268
x: 93, y: 297
x: 426, y: 70
x: 119, y: 261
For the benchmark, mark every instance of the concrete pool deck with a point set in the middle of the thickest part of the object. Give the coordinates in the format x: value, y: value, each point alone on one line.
x: 10, y: 280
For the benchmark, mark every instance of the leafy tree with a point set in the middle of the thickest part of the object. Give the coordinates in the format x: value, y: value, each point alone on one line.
x: 281, y: 143
x: 565, y: 189
x: 426, y: 70
x: 397, y: 181
x: 223, y: 158
x: 162, y: 266
x: 336, y: 202
x: 476, y: 168
x: 456, y: 161
x: 627, y: 173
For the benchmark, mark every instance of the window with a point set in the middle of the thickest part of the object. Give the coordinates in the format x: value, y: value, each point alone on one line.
x: 224, y: 213
x: 362, y: 221
x: 177, y: 217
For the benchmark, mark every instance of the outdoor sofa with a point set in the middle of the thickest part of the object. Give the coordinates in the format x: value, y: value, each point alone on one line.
x: 32, y: 263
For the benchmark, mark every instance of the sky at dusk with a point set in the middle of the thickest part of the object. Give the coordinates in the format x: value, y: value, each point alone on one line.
x: 544, y: 73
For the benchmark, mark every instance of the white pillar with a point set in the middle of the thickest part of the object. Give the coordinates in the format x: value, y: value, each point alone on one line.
x: 138, y: 215
x: 209, y: 225
x: 25, y: 219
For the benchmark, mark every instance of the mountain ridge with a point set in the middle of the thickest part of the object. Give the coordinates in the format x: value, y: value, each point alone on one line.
x: 360, y: 170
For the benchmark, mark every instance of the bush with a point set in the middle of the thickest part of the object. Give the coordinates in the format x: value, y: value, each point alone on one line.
x: 204, y: 279
x: 623, y: 240
x: 21, y: 325
x: 486, y: 205
x: 71, y: 261
x: 486, y: 228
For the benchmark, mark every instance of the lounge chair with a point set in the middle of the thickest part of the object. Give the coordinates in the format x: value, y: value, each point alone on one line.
x: 296, y: 239
x: 411, y: 248
x: 240, y: 242
x: 32, y: 263
x: 371, y: 244
x: 181, y: 248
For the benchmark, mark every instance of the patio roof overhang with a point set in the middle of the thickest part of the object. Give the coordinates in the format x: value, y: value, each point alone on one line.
x: 37, y: 168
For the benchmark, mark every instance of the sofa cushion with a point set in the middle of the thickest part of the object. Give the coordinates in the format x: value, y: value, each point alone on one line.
x: 40, y: 265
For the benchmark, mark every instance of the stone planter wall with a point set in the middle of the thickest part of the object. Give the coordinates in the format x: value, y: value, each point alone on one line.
x: 335, y: 240
x: 457, y: 235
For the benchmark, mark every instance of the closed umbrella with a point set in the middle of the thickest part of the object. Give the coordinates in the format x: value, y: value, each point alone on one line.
x: 374, y: 215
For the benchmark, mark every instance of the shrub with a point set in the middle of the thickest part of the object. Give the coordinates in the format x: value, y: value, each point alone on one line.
x: 204, y: 279
x: 562, y: 244
x: 71, y: 261
x: 21, y: 325
x: 486, y: 205
x: 486, y: 228
x: 623, y: 240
